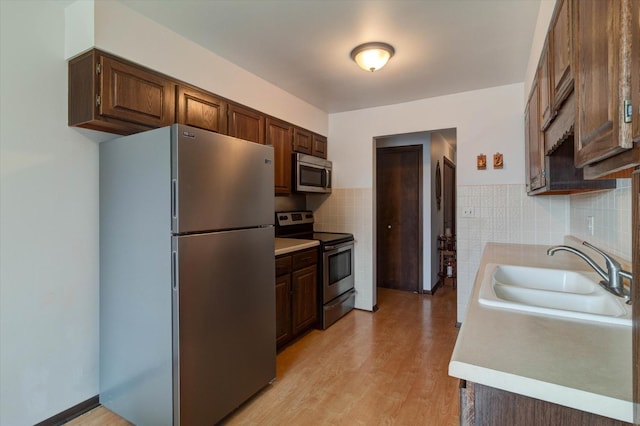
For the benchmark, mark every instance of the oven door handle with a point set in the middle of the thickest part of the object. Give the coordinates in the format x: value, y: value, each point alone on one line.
x: 338, y: 246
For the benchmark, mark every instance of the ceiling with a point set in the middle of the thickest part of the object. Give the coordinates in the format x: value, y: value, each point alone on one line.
x: 303, y: 46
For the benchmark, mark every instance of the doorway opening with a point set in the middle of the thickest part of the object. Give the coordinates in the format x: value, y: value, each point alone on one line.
x: 410, y: 260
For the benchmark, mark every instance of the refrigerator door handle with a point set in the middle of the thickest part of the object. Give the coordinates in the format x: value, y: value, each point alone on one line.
x: 174, y: 202
x: 174, y: 270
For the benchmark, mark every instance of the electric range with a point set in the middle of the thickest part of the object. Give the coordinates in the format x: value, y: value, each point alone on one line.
x: 336, y: 283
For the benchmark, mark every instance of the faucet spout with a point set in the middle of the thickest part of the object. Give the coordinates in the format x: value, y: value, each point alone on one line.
x: 612, y: 278
x: 553, y: 249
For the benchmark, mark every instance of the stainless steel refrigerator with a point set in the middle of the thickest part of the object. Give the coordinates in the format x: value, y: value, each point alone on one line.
x: 187, y: 294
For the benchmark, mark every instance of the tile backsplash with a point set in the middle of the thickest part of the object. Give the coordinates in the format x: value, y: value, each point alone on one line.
x: 350, y: 210
x: 611, y: 212
x: 503, y: 214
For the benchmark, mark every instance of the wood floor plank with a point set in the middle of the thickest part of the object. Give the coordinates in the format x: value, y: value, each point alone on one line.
x: 383, y: 368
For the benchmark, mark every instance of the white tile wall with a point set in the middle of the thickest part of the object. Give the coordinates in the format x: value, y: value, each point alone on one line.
x: 350, y: 210
x: 503, y: 214
x: 611, y: 212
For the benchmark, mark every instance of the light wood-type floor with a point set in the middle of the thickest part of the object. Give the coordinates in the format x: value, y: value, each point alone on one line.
x: 383, y: 368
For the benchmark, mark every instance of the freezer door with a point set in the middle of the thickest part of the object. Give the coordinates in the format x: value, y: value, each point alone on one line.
x: 224, y: 322
x: 219, y: 182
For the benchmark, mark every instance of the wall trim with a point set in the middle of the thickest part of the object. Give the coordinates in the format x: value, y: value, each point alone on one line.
x: 71, y: 413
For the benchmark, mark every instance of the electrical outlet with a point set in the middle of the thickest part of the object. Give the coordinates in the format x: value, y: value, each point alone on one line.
x: 468, y: 212
x: 590, y: 222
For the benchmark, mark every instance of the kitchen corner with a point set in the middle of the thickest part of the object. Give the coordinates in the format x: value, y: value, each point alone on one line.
x: 572, y: 363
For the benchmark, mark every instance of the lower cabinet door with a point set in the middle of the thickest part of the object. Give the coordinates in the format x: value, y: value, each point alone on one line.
x: 304, y: 298
x: 283, y: 309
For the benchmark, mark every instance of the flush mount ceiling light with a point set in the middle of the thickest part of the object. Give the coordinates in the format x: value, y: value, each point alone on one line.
x: 372, y: 56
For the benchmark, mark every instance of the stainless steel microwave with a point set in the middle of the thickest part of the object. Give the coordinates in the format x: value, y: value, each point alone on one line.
x: 312, y: 174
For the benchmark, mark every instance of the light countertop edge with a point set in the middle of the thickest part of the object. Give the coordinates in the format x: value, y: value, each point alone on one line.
x: 289, y: 245
x: 578, y: 364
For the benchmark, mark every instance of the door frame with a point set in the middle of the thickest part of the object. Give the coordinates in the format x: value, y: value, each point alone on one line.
x: 407, y: 147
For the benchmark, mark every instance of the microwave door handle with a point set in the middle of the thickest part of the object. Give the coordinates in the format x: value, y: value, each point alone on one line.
x: 327, y: 183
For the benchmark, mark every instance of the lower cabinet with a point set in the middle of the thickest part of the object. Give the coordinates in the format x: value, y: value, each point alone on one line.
x: 296, y: 294
x: 483, y: 405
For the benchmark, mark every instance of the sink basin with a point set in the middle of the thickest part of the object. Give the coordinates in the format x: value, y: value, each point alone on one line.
x: 553, y: 292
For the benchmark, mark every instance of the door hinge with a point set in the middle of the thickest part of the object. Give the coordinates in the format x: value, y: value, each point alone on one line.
x: 98, y: 68
x: 97, y: 100
x: 627, y: 110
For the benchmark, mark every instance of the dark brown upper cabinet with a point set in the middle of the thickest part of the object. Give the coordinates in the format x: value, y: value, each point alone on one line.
x: 113, y: 95
x: 280, y: 136
x: 602, y: 81
x: 534, y: 140
x: 302, y: 141
x: 201, y: 109
x: 319, y: 148
x: 246, y: 123
x: 561, y: 54
x: 635, y: 69
x: 546, y: 112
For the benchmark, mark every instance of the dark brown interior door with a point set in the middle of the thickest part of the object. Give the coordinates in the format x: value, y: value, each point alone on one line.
x: 449, y: 196
x: 399, y: 225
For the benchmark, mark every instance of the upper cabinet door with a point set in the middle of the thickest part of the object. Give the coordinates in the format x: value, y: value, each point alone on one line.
x: 319, y: 148
x: 134, y: 94
x: 245, y: 123
x: 561, y: 54
x: 280, y: 135
x: 546, y: 112
x: 602, y: 77
x: 534, y: 140
x: 302, y: 141
x: 201, y: 109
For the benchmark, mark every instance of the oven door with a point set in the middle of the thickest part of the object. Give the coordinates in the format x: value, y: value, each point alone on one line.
x: 338, y: 271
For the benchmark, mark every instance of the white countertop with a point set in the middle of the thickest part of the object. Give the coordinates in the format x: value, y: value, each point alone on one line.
x: 579, y: 364
x: 289, y: 245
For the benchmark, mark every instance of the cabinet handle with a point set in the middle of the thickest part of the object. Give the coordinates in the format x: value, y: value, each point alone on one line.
x: 627, y: 110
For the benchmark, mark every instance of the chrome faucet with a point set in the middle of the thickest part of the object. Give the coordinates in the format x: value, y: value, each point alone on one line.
x: 612, y: 279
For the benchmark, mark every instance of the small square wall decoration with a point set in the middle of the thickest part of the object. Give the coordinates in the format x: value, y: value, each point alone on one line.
x: 482, y: 162
x: 497, y: 160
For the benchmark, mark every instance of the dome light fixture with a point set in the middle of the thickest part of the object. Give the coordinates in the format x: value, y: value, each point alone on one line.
x: 372, y: 56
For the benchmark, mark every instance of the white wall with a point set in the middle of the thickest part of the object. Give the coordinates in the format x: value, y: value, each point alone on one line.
x: 486, y: 121
x: 48, y: 224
